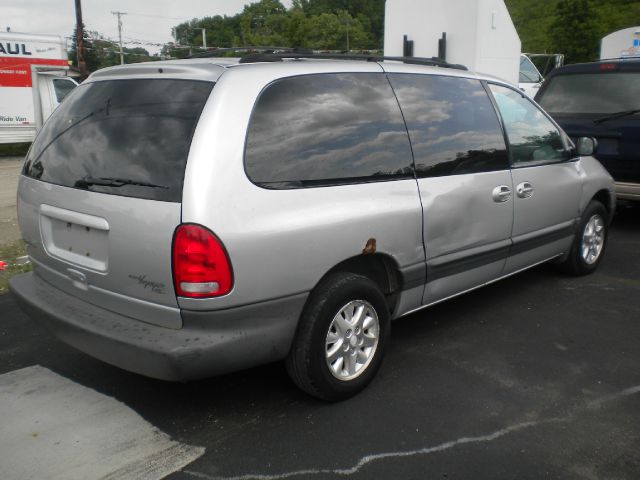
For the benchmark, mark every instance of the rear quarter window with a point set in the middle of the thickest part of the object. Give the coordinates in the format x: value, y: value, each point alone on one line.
x: 121, y: 137
x: 327, y: 129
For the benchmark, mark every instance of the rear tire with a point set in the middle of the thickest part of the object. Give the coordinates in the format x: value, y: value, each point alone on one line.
x: 341, y: 337
x: 590, y: 241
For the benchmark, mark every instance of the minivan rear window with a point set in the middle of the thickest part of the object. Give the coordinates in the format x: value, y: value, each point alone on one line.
x: 591, y: 93
x: 121, y: 137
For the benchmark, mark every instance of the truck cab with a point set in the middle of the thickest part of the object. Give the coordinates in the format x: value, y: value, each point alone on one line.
x: 52, y: 88
x: 34, y: 79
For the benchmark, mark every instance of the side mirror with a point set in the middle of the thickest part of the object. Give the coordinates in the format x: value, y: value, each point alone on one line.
x: 586, y: 146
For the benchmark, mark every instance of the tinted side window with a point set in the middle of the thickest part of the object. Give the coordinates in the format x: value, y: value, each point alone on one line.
x: 327, y: 129
x: 452, y: 124
x: 533, y: 138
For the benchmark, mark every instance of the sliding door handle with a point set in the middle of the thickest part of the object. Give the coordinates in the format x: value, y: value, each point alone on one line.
x: 500, y: 194
x: 524, y: 190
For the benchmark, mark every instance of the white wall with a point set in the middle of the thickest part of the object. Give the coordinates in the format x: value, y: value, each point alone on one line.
x: 621, y: 44
x: 480, y: 33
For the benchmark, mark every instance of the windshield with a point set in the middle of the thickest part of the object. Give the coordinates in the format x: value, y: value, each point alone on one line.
x: 599, y: 93
x: 131, y: 135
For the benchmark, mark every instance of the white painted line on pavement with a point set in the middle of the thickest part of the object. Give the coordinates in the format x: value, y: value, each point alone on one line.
x: 53, y: 428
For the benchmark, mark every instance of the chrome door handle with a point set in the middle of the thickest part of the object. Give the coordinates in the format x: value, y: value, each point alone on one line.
x: 524, y: 190
x: 501, y: 193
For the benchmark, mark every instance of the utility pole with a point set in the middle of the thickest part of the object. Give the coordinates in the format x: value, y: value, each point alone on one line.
x: 82, y: 64
x: 346, y: 20
x: 204, y: 38
x: 119, y: 15
x: 348, y: 46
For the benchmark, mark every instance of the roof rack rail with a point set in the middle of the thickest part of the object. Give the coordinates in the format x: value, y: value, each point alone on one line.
x: 432, y: 62
x: 254, y: 49
x: 277, y: 54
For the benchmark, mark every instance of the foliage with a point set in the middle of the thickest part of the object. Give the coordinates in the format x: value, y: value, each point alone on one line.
x: 317, y: 24
x: 14, y: 149
x: 572, y: 27
x: 576, y: 30
x: 91, y: 58
x: 101, y: 52
x: 12, y: 254
x: 369, y: 14
x: 264, y: 23
x: 532, y: 23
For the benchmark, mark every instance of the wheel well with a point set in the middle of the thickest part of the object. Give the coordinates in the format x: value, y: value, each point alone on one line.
x: 604, y: 197
x: 380, y: 268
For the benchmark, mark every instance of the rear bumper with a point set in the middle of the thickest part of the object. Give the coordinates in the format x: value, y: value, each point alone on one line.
x: 209, y: 343
x: 628, y: 191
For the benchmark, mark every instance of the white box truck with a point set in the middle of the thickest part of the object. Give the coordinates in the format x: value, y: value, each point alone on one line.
x: 477, y: 33
x: 621, y: 44
x: 33, y: 81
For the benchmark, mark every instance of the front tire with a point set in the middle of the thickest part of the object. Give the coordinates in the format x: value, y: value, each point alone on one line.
x: 341, y: 338
x: 590, y: 241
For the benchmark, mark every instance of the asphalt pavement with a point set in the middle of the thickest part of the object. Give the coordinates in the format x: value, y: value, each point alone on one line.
x: 536, y: 376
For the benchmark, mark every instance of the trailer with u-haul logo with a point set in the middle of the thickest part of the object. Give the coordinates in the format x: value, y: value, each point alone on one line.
x: 34, y: 78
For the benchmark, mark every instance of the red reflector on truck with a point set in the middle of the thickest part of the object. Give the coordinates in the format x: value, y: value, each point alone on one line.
x: 608, y: 66
x: 201, y: 266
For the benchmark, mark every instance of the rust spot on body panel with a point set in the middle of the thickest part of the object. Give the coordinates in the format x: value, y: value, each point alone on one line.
x: 370, y: 247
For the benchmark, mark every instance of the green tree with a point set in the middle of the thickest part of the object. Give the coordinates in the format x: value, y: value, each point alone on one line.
x: 576, y: 31
x: 298, y: 30
x: 571, y: 27
x: 92, y: 60
x: 324, y: 32
x: 101, y: 52
x: 532, y: 21
x: 615, y: 15
x: 174, y: 50
x: 264, y: 23
x: 331, y: 31
x: 220, y: 31
x: 369, y: 13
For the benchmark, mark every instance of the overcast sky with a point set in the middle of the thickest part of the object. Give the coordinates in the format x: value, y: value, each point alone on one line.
x: 149, y: 21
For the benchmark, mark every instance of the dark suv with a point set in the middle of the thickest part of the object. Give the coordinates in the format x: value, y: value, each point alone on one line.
x: 601, y: 100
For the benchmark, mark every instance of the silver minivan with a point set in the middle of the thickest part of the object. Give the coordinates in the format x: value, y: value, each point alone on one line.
x: 195, y: 217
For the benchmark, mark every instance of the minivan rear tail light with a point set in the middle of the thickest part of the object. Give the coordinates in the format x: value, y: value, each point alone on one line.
x: 201, y: 266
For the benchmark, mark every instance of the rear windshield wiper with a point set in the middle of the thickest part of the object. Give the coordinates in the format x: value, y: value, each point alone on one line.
x: 87, y: 181
x: 625, y: 113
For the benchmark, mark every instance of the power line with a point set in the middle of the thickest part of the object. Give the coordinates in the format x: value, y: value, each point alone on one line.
x: 138, y: 41
x: 125, y: 41
x: 158, y: 16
